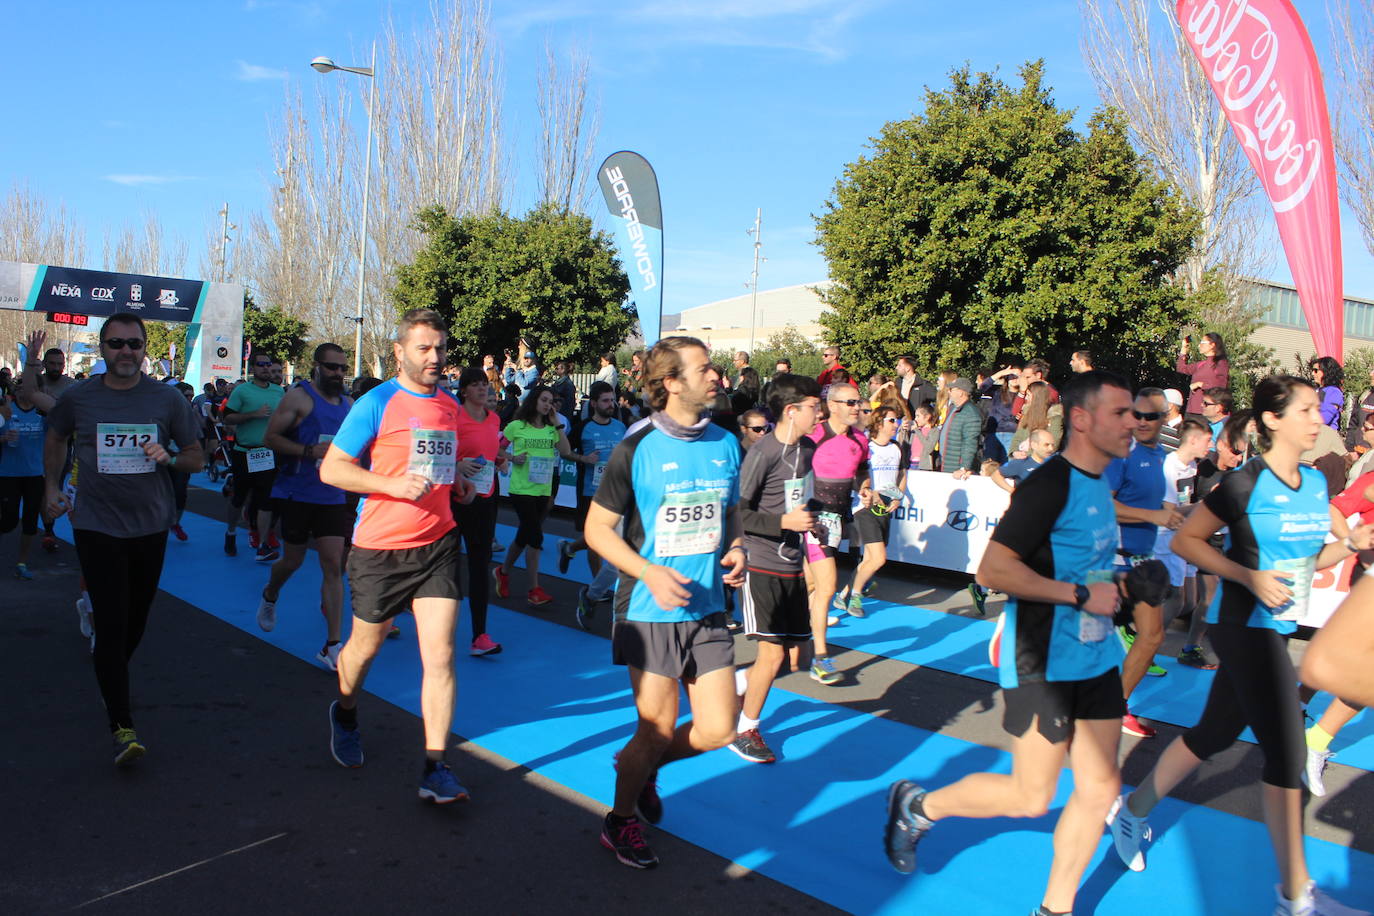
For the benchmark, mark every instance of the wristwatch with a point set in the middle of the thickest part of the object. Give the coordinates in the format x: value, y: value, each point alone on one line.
x: 1080, y: 596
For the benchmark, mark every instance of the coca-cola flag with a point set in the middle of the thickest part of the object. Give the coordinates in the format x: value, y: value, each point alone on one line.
x: 1260, y: 62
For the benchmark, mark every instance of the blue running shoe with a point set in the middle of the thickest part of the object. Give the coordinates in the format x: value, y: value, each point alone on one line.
x: 903, y: 829
x: 440, y: 786
x: 346, y: 744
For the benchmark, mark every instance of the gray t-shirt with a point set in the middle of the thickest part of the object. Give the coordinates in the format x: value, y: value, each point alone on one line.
x: 122, y: 505
x: 763, y: 484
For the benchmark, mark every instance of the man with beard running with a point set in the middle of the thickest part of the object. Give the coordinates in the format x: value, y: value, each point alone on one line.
x: 600, y: 433
x: 405, y: 548
x: 299, y: 432
x: 253, y: 464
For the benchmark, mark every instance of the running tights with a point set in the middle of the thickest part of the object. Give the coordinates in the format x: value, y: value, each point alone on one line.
x: 477, y: 526
x: 531, y: 511
x: 121, y: 577
x: 20, y: 500
x: 1255, y: 686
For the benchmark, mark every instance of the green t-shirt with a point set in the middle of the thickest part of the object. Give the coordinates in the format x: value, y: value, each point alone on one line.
x: 540, y: 446
x: 247, y: 398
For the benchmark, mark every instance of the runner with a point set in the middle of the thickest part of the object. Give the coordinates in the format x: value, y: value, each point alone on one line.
x: 840, y: 466
x: 774, y: 515
x: 887, y: 462
x: 299, y: 432
x: 536, y: 440
x: 21, y: 458
x: 405, y: 551
x: 253, y: 464
x: 1053, y: 553
x: 675, y: 485
x: 1279, y: 516
x: 1181, y: 490
x: 479, y: 459
x: 123, y: 422
x: 598, y: 435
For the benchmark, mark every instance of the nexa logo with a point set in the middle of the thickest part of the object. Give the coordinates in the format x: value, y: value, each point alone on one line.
x: 103, y: 293
x: 66, y: 291
x: 643, y: 263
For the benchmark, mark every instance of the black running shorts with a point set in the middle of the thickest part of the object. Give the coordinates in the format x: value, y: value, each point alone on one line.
x: 385, y: 582
x: 870, y: 528
x: 683, y: 650
x: 1056, y: 705
x: 775, y: 607
x: 301, y: 521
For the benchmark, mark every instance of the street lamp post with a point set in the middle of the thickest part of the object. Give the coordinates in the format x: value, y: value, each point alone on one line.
x: 324, y: 65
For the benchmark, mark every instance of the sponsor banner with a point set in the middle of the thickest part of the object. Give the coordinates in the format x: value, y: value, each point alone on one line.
x: 99, y: 292
x: 945, y: 523
x: 567, y: 491
x: 630, y: 187
x: 1260, y: 62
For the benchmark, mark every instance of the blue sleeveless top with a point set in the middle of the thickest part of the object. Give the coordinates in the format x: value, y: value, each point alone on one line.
x: 299, y: 479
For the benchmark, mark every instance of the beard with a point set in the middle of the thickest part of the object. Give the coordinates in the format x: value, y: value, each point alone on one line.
x: 331, y: 385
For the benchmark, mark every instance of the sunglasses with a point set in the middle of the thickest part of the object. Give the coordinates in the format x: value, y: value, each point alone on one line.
x: 119, y: 343
x: 1209, y: 403
x: 892, y: 420
x: 332, y: 367
x: 1150, y: 415
x: 759, y: 429
x: 851, y: 402
x: 260, y: 363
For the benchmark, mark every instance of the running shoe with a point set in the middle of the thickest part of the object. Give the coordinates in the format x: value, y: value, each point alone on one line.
x: 741, y: 681
x: 1194, y: 657
x: 1130, y: 725
x: 627, y: 841
x: 537, y: 597
x: 855, y: 606
x: 49, y: 543
x: 841, y: 601
x: 1315, y: 770
x: 267, y: 553
x: 231, y: 548
x: 1313, y: 902
x: 980, y: 598
x: 484, y: 645
x: 329, y: 655
x: 733, y: 625
x: 1129, y: 833
x: 180, y: 532
x: 253, y: 540
x: 564, y: 557
x: 832, y: 621
x: 823, y: 670
x: 502, y: 582
x: 267, y: 614
x: 127, y: 748
x: 586, y: 608
x: 1156, y: 671
x: 441, y: 787
x: 868, y: 588
x: 346, y: 744
x: 749, y: 746
x: 1127, y: 640
x: 21, y: 571
x: 83, y: 616
x: 904, y: 829
x: 394, y: 632
x: 497, y: 547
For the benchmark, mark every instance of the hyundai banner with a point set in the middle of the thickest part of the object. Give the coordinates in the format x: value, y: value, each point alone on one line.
x: 631, y: 191
x: 1260, y: 62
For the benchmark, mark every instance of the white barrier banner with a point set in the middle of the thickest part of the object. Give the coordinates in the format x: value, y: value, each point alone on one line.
x: 944, y: 522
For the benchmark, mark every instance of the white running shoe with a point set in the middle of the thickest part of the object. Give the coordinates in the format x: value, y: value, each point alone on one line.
x: 1129, y: 833
x: 1312, y: 903
x: 329, y: 656
x: 267, y: 614
x: 1313, y: 773
x: 83, y: 614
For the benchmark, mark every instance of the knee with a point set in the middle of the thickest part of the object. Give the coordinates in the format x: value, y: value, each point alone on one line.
x: 438, y: 662
x: 1034, y: 801
x: 715, y: 736
x: 330, y: 566
x: 1099, y: 794
x: 653, y: 736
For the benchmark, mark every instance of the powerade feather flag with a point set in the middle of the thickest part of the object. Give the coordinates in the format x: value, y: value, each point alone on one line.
x: 631, y: 189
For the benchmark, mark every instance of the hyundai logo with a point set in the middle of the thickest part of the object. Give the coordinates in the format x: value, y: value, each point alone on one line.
x: 961, y: 520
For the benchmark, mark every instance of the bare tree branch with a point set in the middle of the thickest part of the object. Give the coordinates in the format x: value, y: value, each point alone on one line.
x: 568, y: 129
x: 1353, y: 117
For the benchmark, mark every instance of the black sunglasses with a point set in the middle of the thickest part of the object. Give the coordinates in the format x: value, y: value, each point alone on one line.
x: 119, y: 343
x: 1150, y: 415
x: 851, y: 402
x: 332, y: 367
x: 758, y: 429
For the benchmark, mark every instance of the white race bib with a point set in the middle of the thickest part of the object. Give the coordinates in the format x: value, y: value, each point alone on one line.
x: 260, y: 459
x: 484, y: 477
x: 119, y: 447
x: 540, y: 469
x: 832, y: 529
x: 688, y: 524
x: 323, y: 441
x: 1299, y: 573
x: 1095, y: 627
x: 432, y: 454
x: 597, y: 470
x: 794, y: 492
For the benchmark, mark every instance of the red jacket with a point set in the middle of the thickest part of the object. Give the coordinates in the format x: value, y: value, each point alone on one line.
x: 1210, y: 374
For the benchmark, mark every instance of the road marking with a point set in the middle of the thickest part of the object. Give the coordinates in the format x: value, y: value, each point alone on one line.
x: 177, y: 871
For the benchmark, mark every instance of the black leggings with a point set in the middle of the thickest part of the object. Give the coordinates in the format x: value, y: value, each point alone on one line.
x: 180, y: 482
x: 531, y: 510
x: 477, y: 527
x: 121, y: 577
x: 1254, y: 686
x: 17, y: 491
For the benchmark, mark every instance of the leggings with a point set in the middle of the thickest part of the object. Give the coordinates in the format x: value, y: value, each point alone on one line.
x: 180, y: 482
x: 14, y: 493
x: 531, y: 511
x: 477, y: 527
x: 1254, y: 686
x: 121, y: 577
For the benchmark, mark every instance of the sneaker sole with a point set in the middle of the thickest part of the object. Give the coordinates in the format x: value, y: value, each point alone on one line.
x: 431, y: 796
x: 347, y: 766
x: 130, y: 754
x: 605, y: 841
x: 326, y: 664
x: 478, y: 653
x: 743, y: 756
x: 828, y: 680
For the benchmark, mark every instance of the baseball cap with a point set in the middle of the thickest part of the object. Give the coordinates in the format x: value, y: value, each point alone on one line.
x: 1173, y: 396
x: 963, y: 384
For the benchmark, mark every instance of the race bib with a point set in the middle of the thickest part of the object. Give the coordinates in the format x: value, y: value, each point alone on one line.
x: 119, y: 447
x: 1299, y: 574
x: 1094, y: 627
x: 484, y: 478
x: 540, y: 469
x: 432, y: 454
x: 831, y: 529
x: 794, y: 492
x: 323, y: 440
x: 597, y: 470
x: 260, y: 459
x: 688, y: 524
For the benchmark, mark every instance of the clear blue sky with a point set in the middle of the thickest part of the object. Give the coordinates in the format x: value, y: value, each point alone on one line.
x: 737, y: 103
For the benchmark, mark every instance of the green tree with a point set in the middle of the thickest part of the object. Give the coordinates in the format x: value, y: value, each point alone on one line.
x: 273, y: 331
x: 161, y: 335
x: 547, y: 276
x: 987, y: 228
x: 791, y: 344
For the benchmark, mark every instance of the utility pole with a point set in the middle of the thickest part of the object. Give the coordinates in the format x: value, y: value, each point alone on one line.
x: 757, y: 233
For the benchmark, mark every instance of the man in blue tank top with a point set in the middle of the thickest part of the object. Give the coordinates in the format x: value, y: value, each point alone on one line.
x: 299, y: 432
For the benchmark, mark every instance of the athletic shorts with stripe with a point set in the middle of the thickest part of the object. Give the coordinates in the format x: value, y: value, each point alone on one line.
x: 775, y: 606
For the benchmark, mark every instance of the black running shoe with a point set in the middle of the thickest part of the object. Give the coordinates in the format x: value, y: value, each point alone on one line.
x: 980, y: 598
x: 586, y: 609
x: 903, y: 829
x: 627, y: 841
x: 750, y: 745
